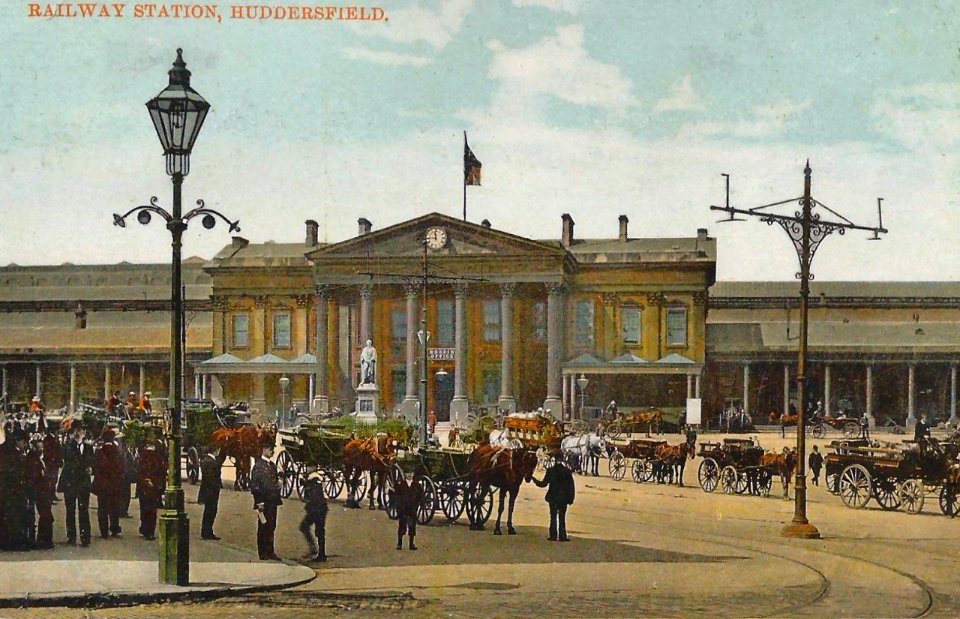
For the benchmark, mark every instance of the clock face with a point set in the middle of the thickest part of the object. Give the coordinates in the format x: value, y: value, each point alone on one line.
x: 436, y: 238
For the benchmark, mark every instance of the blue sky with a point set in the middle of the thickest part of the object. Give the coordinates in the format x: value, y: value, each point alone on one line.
x: 591, y: 108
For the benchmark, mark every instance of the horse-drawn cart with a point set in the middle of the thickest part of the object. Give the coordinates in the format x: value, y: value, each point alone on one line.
x: 629, y: 423
x: 444, y: 480
x: 643, y: 453
x: 727, y: 464
x: 312, y: 447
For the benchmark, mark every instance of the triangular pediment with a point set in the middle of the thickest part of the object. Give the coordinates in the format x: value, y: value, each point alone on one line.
x: 463, y: 239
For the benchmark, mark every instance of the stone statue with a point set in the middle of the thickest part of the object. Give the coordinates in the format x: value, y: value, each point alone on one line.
x: 368, y: 364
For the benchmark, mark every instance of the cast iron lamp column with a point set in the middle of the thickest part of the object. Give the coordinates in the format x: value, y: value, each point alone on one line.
x: 177, y: 113
x: 807, y: 230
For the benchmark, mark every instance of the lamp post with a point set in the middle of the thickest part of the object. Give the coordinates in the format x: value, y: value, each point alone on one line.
x: 424, y: 337
x: 582, y: 382
x: 807, y: 230
x: 284, y: 390
x: 177, y: 112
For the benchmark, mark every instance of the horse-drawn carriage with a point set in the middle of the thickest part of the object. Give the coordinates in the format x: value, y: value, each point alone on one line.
x: 740, y: 465
x: 646, y: 420
x: 643, y: 452
x: 312, y: 449
x: 896, y: 477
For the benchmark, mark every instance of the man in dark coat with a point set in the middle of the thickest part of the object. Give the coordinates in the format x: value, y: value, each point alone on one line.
x: 315, y: 507
x: 15, y: 491
x: 561, y: 491
x: 75, y: 484
x: 209, y: 496
x: 52, y: 461
x: 265, y: 487
x: 109, y: 477
x: 408, y: 498
x: 815, y: 463
x: 33, y: 466
x: 151, y: 482
x: 132, y: 467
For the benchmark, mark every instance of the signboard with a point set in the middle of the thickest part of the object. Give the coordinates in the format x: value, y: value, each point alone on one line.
x: 693, y: 411
x: 441, y: 354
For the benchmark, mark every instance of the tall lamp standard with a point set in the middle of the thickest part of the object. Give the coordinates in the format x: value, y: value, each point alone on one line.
x: 582, y: 382
x: 177, y: 112
x: 807, y: 230
x: 284, y: 390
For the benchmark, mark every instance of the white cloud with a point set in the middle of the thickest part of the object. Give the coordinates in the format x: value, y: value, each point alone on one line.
x: 416, y: 24
x: 922, y: 117
x: 561, y: 6
x: 385, y: 58
x: 560, y: 67
x: 682, y: 98
x: 767, y: 120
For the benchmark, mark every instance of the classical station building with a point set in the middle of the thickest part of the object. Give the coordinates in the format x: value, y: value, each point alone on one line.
x: 887, y: 349
x: 73, y: 334
x: 511, y: 321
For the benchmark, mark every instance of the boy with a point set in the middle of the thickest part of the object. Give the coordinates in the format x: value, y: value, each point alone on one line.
x: 315, y: 504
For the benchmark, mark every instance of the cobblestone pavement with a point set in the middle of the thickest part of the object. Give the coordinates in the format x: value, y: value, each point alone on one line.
x: 637, y: 549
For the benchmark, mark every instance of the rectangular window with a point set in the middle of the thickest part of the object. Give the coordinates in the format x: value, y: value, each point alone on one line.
x: 281, y: 330
x: 398, y: 380
x: 583, y: 325
x: 398, y: 322
x: 540, y: 321
x: 491, y: 385
x: 676, y: 326
x: 491, y: 321
x: 630, y: 319
x: 241, y: 331
x: 446, y: 323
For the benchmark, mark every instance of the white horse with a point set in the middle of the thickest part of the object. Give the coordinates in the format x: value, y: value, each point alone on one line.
x: 587, y: 448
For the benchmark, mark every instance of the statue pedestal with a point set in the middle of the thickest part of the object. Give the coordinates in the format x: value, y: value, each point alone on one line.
x: 368, y: 404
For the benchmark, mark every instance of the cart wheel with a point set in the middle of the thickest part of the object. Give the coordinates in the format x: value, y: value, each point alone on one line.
x: 855, y: 486
x: 708, y: 474
x: 764, y: 483
x: 819, y: 431
x: 300, y: 481
x: 288, y: 474
x: 452, y: 499
x: 729, y: 480
x: 429, y: 504
x: 911, y: 496
x: 636, y: 471
x: 334, y: 484
x: 949, y: 500
x: 832, y: 480
x: 483, y: 510
x: 850, y: 430
x: 362, y: 485
x: 614, y: 430
x: 617, y: 466
x: 515, y: 443
x: 886, y: 492
x: 390, y: 478
x: 193, y: 465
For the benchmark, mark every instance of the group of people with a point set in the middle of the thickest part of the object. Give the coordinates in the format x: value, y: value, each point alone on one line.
x: 132, y: 407
x: 34, y: 468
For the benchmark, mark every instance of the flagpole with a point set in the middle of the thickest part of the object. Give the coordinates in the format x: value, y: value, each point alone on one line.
x: 464, y: 179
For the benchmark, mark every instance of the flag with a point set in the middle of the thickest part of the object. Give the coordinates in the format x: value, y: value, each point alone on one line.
x: 471, y: 165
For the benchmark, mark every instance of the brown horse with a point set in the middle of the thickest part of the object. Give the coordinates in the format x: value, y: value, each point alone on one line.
x: 503, y: 468
x: 243, y: 444
x: 374, y: 455
x: 784, y: 464
x: 671, y: 460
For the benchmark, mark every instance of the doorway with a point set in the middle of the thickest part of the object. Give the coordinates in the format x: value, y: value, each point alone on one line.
x: 443, y: 395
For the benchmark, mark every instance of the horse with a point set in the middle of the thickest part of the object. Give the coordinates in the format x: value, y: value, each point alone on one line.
x: 671, y: 460
x: 785, y: 465
x: 243, y: 444
x: 586, y: 451
x: 503, y: 468
x: 374, y: 455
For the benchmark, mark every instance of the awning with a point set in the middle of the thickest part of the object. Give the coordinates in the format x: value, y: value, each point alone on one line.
x: 264, y: 364
x: 629, y: 363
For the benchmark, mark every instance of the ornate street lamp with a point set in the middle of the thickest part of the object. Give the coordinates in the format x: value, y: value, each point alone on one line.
x: 806, y: 230
x: 582, y: 382
x: 284, y: 390
x: 177, y: 113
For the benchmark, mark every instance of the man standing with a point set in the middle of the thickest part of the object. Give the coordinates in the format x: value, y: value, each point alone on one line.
x: 151, y: 482
x: 15, y: 491
x: 816, y: 463
x: 316, y: 516
x: 36, y: 406
x: 52, y: 461
x: 920, y: 433
x: 408, y: 498
x: 265, y: 487
x: 432, y: 422
x: 560, y: 494
x: 109, y: 477
x: 145, y: 404
x: 130, y: 406
x: 865, y: 426
x: 113, y: 403
x: 209, y: 496
x: 75, y: 484
x: 132, y: 468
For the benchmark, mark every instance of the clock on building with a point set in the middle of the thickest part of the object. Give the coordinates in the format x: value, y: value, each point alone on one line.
x: 436, y: 238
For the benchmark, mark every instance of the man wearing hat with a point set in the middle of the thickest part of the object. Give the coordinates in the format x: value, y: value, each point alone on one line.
x: 108, y: 479
x: 113, y: 403
x: 40, y: 496
x: 211, y: 483
x: 561, y: 491
x: 36, y: 406
x: 265, y: 487
x: 15, y: 498
x: 145, y: 404
x: 150, y: 485
x: 130, y: 406
x: 75, y: 483
x: 52, y: 460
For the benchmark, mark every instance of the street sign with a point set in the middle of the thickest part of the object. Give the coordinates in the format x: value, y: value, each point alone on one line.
x: 441, y: 354
x: 693, y: 411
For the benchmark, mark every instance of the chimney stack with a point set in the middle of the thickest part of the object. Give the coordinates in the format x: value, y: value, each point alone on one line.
x: 623, y: 228
x: 312, y: 230
x: 239, y: 243
x: 701, y: 234
x: 567, y: 238
x: 364, y: 226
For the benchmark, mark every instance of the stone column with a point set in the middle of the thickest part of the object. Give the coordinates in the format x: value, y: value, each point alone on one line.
x: 567, y: 411
x: 320, y: 403
x: 197, y: 385
x: 746, y: 387
x: 332, y: 386
x: 366, y: 314
x: 460, y: 405
x: 689, y: 386
x: 826, y: 388
x: 106, y: 382
x: 953, y: 395
x: 3, y: 380
x: 869, y: 404
x: 696, y: 386
x: 39, y: 392
x: 73, y: 387
x: 786, y: 388
x: 911, y: 395
x: 553, y: 404
x: 506, y: 400
x: 143, y: 381
x: 411, y: 398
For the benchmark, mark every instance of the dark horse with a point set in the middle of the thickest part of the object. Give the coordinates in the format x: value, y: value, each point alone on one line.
x: 504, y: 468
x: 243, y: 444
x: 374, y: 455
x: 671, y: 460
